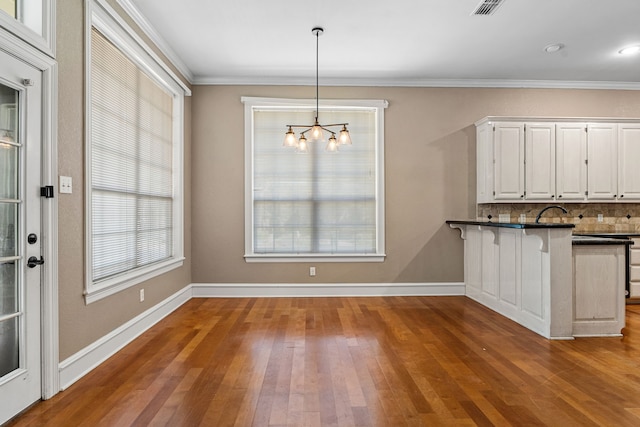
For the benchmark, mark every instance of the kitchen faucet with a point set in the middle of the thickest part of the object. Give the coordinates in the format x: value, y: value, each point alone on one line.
x: 547, y: 208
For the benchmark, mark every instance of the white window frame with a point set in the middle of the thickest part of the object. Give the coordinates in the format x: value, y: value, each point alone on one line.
x: 253, y: 103
x: 35, y: 24
x: 101, y: 16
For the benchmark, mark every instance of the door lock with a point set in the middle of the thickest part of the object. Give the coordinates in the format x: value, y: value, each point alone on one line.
x: 33, y: 261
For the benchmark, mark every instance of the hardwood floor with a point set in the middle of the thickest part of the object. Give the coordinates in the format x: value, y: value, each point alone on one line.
x: 391, y: 361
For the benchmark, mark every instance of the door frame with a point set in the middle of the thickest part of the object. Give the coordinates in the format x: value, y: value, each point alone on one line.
x: 50, y: 380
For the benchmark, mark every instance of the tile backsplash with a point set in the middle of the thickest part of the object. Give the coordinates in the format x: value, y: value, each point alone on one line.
x: 616, y: 217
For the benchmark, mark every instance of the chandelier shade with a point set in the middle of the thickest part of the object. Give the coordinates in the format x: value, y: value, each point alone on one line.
x: 290, y: 139
x: 316, y: 132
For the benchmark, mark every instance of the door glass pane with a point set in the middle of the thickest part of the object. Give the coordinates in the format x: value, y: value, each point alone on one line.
x: 9, y: 353
x: 8, y: 288
x: 9, y: 6
x: 8, y: 138
x: 9, y: 213
x: 8, y: 169
x: 8, y: 220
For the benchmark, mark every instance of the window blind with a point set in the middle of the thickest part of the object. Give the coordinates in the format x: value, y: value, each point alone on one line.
x: 315, y: 203
x: 131, y: 164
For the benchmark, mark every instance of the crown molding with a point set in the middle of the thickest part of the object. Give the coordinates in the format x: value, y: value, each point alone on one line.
x: 444, y: 83
x: 156, y: 38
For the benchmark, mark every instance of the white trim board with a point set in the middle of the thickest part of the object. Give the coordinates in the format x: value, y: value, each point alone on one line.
x: 262, y: 290
x: 84, y: 361
x: 427, y: 83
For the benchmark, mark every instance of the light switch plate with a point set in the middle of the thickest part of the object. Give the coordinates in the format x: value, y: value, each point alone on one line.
x: 504, y: 217
x: 523, y: 218
x: 66, y: 185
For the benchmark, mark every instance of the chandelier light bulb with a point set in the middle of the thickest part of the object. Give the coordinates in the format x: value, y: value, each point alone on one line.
x: 316, y: 132
x: 303, y: 147
x: 345, y: 138
x: 332, y: 145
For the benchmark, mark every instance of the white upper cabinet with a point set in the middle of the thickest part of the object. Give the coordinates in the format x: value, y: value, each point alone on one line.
x: 508, y: 144
x: 484, y: 164
x: 540, y: 161
x: 602, y: 161
x: 563, y: 160
x: 629, y: 161
x: 571, y: 161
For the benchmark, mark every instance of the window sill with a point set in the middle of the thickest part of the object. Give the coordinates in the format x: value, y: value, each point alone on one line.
x: 314, y: 258
x: 114, y: 285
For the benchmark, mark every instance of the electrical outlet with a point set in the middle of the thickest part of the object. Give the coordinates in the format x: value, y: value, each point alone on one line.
x: 66, y: 185
x: 141, y: 295
x: 312, y: 271
x: 600, y: 218
x: 504, y: 218
x: 523, y: 218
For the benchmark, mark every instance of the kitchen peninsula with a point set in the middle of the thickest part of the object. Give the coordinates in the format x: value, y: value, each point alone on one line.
x: 544, y: 278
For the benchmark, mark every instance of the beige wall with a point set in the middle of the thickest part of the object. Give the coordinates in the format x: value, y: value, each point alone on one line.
x: 80, y: 324
x: 430, y: 175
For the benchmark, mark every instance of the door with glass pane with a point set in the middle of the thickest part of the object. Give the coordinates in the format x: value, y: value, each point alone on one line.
x: 21, y: 263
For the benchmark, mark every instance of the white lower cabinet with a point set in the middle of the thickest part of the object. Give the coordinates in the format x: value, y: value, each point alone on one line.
x: 634, y: 269
x: 598, y: 289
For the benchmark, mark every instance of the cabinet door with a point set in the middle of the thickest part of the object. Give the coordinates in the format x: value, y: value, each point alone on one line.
x: 571, y: 161
x: 508, y: 145
x: 634, y: 269
x: 602, y: 157
x: 628, y: 161
x: 484, y: 163
x: 540, y: 161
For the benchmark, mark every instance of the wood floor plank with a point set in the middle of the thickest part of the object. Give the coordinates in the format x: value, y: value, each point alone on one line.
x: 379, y: 361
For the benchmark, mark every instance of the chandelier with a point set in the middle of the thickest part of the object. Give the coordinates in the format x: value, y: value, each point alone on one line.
x: 316, y: 132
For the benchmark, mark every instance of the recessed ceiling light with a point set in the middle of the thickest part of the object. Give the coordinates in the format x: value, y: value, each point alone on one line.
x: 553, y: 47
x: 631, y: 50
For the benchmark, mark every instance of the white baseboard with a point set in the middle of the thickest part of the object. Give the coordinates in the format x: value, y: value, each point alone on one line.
x: 244, y: 290
x: 81, y: 363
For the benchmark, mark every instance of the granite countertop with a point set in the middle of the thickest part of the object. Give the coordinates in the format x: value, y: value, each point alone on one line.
x: 598, y: 240
x: 576, y: 239
x: 606, y: 234
x: 511, y: 224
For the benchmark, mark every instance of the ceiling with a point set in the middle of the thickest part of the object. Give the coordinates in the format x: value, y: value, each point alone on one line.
x: 398, y: 43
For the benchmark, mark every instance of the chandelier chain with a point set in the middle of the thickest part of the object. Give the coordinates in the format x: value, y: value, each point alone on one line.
x: 317, y: 31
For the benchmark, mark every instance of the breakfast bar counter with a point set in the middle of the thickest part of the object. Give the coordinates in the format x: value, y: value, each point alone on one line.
x: 532, y: 274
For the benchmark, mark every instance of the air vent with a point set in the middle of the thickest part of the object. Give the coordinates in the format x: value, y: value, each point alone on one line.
x: 487, y: 7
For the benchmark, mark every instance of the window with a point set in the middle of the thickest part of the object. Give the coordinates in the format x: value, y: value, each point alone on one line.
x: 134, y: 162
x: 31, y: 20
x: 318, y: 206
x: 9, y: 7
